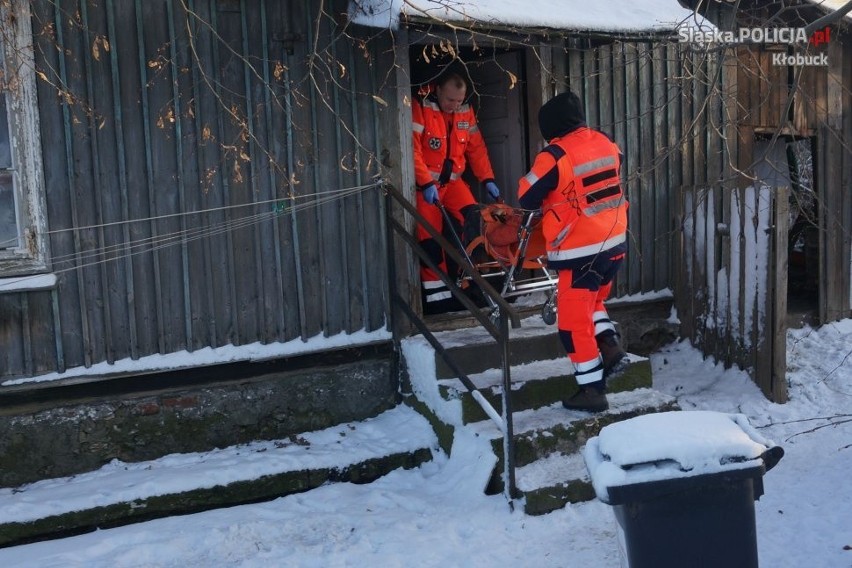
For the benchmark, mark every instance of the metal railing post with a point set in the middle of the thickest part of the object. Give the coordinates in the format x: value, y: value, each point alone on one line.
x: 500, y: 332
x: 509, y: 433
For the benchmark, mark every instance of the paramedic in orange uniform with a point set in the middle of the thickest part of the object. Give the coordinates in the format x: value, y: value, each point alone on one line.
x: 446, y: 140
x: 575, y: 182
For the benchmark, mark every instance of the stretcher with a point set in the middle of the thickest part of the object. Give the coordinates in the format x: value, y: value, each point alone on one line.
x: 514, y: 260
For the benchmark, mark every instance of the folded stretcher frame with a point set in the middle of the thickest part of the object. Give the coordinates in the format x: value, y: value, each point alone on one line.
x: 517, y: 260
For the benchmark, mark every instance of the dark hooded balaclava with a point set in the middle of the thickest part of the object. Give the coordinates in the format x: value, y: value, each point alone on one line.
x: 561, y: 115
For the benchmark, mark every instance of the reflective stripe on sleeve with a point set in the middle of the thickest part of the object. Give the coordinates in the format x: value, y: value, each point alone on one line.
x: 531, y: 178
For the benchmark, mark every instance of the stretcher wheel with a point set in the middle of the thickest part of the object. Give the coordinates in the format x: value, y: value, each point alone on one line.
x: 548, y: 310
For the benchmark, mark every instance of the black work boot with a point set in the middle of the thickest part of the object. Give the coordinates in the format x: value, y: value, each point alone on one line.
x: 615, y: 360
x: 589, y: 398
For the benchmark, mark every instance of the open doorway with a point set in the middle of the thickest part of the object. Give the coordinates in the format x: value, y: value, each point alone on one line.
x: 499, y: 100
x: 789, y: 161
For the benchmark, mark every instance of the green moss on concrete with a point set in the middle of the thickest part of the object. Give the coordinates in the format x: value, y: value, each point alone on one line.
x: 525, y: 396
x: 241, y: 492
x: 445, y: 432
x: 638, y: 375
x: 543, y: 392
x: 68, y: 437
x: 547, y: 499
x: 563, y: 438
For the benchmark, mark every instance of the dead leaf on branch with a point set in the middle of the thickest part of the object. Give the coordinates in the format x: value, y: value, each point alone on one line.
x: 167, y: 117
x: 99, y: 43
x: 279, y: 70
x: 513, y: 79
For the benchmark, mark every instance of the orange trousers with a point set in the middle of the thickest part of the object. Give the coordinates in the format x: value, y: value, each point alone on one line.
x: 454, y: 196
x: 581, y: 292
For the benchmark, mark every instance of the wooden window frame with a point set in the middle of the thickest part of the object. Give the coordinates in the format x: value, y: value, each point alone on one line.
x: 31, y: 255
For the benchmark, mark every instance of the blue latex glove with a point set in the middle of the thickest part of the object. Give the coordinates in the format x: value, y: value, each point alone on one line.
x: 492, y: 190
x: 430, y: 194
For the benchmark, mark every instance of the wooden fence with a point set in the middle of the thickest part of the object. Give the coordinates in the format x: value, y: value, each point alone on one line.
x: 731, y: 294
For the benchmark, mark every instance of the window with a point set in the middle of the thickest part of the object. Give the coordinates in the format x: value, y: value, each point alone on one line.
x: 23, y: 242
x: 8, y: 212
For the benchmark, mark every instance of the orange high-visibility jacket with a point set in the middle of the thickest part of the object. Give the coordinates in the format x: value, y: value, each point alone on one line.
x: 575, y: 181
x: 439, y: 135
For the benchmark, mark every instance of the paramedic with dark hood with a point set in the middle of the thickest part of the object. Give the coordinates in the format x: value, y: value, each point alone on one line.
x: 575, y: 182
x: 446, y: 139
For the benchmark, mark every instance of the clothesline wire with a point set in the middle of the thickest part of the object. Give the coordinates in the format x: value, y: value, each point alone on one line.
x: 158, y: 242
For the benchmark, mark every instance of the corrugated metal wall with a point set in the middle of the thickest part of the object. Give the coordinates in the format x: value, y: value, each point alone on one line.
x: 152, y: 111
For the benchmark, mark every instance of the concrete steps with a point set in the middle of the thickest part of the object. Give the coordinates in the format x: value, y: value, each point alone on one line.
x: 549, y: 470
x: 122, y: 493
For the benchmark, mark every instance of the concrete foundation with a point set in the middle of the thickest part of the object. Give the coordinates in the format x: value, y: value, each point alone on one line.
x: 75, y: 431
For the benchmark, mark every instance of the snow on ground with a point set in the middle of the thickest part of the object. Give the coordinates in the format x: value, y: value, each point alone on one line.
x: 437, y: 515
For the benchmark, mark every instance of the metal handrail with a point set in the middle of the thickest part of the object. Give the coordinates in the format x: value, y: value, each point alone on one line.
x: 500, y: 332
x: 450, y: 251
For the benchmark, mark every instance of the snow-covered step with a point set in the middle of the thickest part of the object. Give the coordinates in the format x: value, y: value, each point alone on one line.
x: 475, y: 351
x: 553, y: 481
x: 540, y: 375
x: 537, y: 384
x: 120, y: 493
x: 550, y: 430
x: 534, y: 385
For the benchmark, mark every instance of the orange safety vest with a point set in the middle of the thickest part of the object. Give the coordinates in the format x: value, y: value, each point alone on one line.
x: 439, y: 136
x: 584, y: 213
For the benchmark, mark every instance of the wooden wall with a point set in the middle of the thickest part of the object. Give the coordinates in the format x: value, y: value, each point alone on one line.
x: 731, y: 259
x: 808, y: 102
x: 154, y: 110
x: 662, y: 105
x: 259, y: 112
x: 731, y: 276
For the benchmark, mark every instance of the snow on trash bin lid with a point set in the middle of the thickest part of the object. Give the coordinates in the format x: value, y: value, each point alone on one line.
x: 670, y: 445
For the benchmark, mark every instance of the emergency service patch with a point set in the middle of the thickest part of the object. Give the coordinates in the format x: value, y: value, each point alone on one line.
x: 462, y: 125
x: 435, y: 143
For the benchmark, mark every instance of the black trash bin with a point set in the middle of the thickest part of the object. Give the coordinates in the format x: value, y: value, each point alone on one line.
x: 682, y: 486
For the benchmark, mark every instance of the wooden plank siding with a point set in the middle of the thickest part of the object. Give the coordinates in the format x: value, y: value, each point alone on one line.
x: 177, y: 129
x: 756, y: 255
x: 645, y: 95
x: 193, y: 154
x: 732, y: 306
x: 819, y: 111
